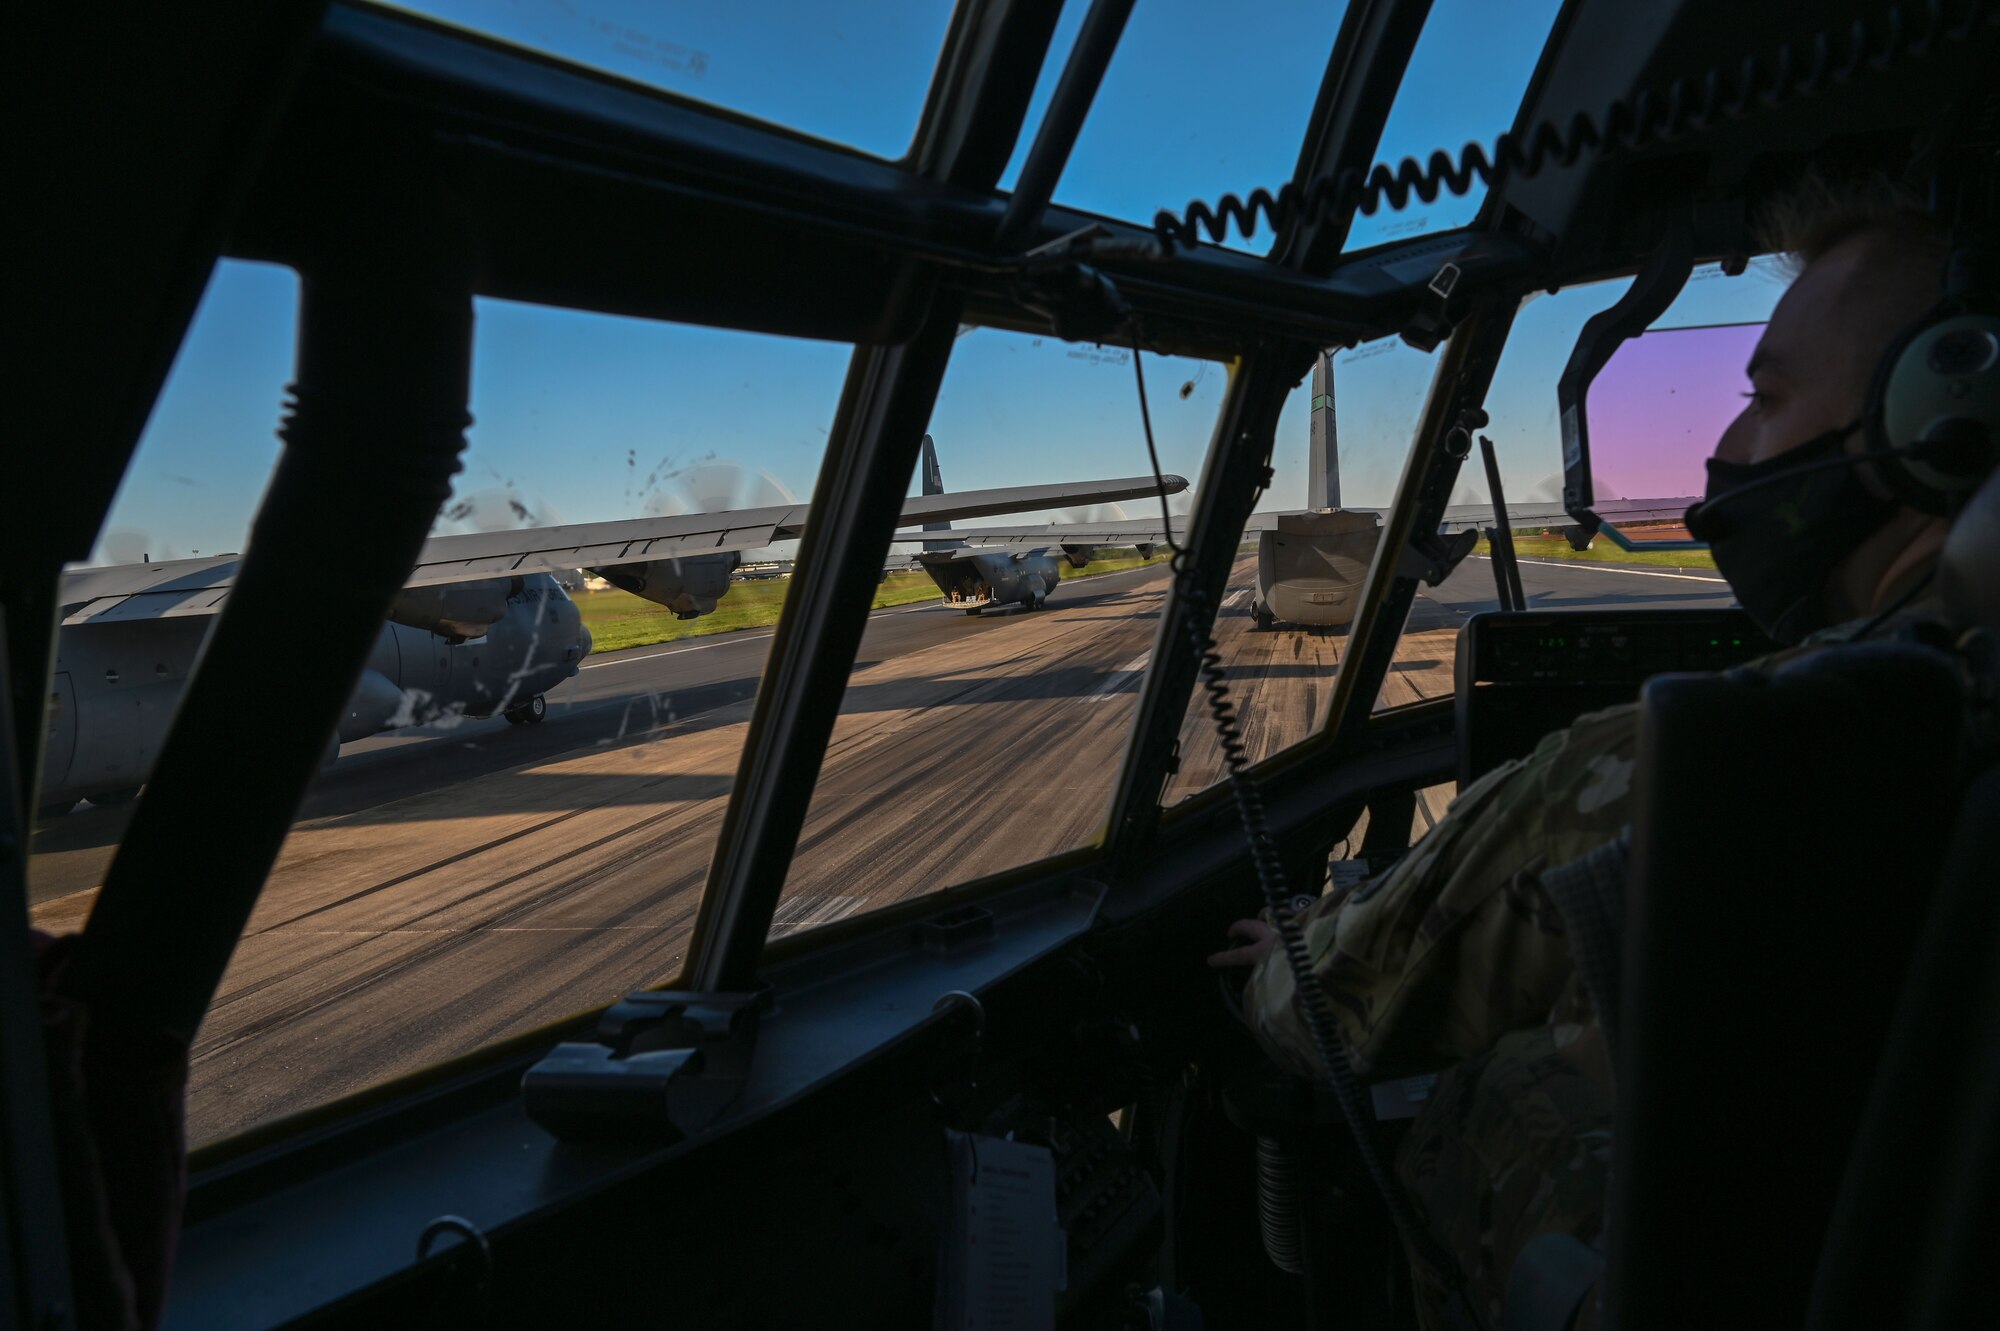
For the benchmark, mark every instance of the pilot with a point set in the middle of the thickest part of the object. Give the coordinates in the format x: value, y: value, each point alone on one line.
x: 1455, y: 959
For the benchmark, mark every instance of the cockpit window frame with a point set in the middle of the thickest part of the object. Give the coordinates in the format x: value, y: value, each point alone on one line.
x: 896, y: 383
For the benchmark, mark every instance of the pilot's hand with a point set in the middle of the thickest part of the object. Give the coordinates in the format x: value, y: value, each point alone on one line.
x: 1258, y: 938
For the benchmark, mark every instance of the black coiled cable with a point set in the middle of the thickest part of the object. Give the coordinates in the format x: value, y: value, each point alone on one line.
x: 1270, y: 870
x: 1831, y: 58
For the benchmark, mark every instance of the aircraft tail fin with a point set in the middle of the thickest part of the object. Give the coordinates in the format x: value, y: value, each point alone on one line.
x: 933, y: 477
x: 934, y: 485
x: 1323, y: 459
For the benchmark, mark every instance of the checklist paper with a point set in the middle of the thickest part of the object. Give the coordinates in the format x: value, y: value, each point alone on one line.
x: 1004, y: 1250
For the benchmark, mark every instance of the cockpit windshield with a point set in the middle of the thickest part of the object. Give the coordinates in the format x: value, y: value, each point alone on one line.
x: 516, y: 816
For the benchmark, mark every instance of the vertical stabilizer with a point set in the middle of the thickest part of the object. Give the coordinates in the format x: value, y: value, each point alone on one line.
x: 934, y: 485
x: 1323, y: 464
x: 933, y: 478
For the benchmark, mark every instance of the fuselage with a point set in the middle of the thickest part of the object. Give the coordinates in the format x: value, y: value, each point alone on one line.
x: 972, y: 580
x: 1311, y: 566
x: 117, y: 683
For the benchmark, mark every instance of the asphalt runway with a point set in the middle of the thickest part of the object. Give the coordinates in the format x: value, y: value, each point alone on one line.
x: 449, y: 887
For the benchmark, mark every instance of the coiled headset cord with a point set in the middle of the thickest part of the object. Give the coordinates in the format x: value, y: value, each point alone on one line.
x: 1830, y: 58
x: 1270, y: 869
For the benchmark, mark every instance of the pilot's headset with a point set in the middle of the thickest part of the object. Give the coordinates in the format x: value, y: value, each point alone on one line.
x: 1933, y: 413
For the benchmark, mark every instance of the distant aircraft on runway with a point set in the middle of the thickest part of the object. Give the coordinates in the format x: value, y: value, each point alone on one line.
x: 481, y: 628
x: 1311, y: 564
x: 973, y: 579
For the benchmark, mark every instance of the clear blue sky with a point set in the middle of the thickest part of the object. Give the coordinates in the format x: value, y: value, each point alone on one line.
x: 584, y: 417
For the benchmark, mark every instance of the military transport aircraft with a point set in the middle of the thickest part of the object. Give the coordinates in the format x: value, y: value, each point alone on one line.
x: 480, y: 628
x: 1004, y: 1093
x: 972, y: 580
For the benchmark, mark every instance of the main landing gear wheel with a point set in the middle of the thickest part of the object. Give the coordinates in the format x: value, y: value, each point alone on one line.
x: 529, y: 713
x: 1263, y: 616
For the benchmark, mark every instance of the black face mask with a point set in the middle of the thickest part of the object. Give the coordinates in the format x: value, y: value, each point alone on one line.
x: 1778, y: 527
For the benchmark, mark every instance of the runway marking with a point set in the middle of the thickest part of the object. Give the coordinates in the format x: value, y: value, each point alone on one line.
x: 809, y: 911
x: 1610, y: 568
x: 1235, y: 597
x: 1120, y: 677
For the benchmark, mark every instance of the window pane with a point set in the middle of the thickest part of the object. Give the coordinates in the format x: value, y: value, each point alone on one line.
x: 1659, y: 405
x: 977, y: 734
x: 850, y: 71
x: 458, y: 874
x: 1655, y: 413
x: 1464, y: 85
x: 1198, y: 102
x: 1283, y: 627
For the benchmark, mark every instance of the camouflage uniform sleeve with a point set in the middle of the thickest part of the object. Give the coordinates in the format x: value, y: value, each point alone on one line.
x: 1513, y: 1144
x: 1457, y: 944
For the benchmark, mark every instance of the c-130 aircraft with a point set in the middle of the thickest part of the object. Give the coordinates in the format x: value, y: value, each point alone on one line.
x: 481, y: 628
x: 973, y: 579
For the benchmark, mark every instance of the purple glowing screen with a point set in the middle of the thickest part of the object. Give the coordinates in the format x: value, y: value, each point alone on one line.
x: 1659, y: 406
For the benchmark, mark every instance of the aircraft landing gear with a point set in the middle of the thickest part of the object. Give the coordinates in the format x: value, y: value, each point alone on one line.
x: 529, y: 713
x: 973, y: 611
x: 1262, y: 616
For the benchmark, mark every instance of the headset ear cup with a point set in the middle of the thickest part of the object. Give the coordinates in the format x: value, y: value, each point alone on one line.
x: 1937, y: 389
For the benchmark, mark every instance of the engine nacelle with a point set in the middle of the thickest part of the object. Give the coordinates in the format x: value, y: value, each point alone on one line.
x: 1079, y: 555
x: 454, y: 609
x: 688, y: 586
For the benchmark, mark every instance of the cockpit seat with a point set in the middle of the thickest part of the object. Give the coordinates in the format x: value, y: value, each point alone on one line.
x: 1912, y: 1236
x: 1811, y: 979
x: 1788, y: 833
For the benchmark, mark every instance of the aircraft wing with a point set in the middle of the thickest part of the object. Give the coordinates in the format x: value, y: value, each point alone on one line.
x: 179, y: 587
x: 1132, y: 531
x: 1458, y: 517
x: 1148, y: 531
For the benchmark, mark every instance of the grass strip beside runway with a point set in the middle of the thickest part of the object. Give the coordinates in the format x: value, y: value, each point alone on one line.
x: 618, y: 619
x: 1603, y: 552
